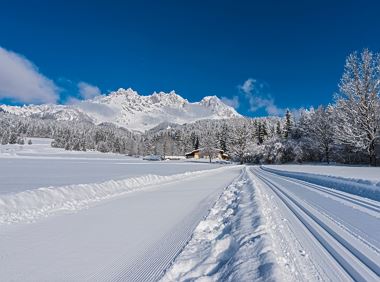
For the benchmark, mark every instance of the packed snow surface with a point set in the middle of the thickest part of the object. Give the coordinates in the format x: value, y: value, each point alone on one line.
x: 369, y: 175
x: 320, y: 233
x: 133, y: 237
x: 361, y: 181
x: 111, y: 217
x: 270, y: 227
x: 25, y: 167
x: 232, y: 243
x: 32, y: 204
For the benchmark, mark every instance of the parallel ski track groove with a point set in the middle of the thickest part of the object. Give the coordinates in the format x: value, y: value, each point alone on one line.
x: 325, y: 190
x: 157, y: 258
x: 366, y: 204
x: 371, y: 269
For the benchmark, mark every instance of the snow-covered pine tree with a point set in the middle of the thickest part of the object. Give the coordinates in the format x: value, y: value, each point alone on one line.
x: 5, y: 137
x: 288, y: 123
x: 278, y: 129
x: 240, y: 147
x: 196, y: 144
x: 13, y: 138
x: 223, y: 137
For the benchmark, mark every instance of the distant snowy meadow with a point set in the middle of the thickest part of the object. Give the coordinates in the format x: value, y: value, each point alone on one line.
x: 25, y: 167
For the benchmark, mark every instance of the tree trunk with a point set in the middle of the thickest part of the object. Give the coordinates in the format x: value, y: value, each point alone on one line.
x: 327, y: 154
x: 372, y: 154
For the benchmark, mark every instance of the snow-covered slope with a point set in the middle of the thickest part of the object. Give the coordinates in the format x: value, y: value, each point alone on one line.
x: 58, y: 112
x: 126, y: 108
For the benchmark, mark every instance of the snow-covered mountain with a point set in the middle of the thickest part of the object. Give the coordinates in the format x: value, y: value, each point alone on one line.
x: 126, y: 108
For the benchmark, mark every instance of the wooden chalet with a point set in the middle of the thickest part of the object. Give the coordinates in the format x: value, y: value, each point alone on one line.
x: 199, y: 153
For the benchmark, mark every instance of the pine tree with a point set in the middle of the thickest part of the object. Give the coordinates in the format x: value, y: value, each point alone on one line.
x: 13, y: 138
x: 240, y: 147
x: 260, y: 135
x: 223, y: 136
x: 196, y: 144
x: 288, y: 125
x: 5, y: 138
x: 278, y: 129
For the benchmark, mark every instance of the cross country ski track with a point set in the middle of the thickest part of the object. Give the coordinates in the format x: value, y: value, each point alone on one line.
x: 345, y: 226
x: 237, y: 223
x: 134, y: 237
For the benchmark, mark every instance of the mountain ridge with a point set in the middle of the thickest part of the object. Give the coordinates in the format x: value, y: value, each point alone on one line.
x: 128, y: 109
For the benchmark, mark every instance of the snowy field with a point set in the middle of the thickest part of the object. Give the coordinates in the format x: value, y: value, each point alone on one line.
x: 99, y: 215
x: 106, y: 217
x: 38, y: 165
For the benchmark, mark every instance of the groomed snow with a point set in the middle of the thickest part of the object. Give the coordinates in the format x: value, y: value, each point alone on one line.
x: 133, y: 237
x: 321, y: 233
x: 267, y: 227
x: 184, y: 221
x: 354, y: 185
x: 232, y: 243
x: 32, y: 204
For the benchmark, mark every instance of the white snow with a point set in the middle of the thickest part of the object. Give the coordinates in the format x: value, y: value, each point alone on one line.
x: 25, y: 167
x: 266, y: 227
x: 232, y: 243
x: 362, y: 181
x: 320, y: 233
x: 106, y: 217
x: 32, y: 204
x: 367, y: 175
x: 129, y: 238
x: 128, y: 109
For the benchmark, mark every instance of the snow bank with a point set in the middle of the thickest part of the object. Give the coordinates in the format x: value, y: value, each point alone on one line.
x: 32, y: 204
x: 355, y: 186
x: 360, y: 174
x: 230, y: 244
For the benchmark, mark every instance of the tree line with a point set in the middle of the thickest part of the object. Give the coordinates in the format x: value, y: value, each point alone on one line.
x: 345, y: 131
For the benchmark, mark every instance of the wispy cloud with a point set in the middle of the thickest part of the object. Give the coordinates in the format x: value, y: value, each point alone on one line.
x: 259, y: 97
x: 21, y: 81
x: 247, y: 86
x: 232, y: 102
x: 88, y: 91
x: 84, y: 90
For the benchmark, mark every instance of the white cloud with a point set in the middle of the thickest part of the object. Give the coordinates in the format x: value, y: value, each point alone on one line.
x: 247, y: 86
x: 259, y: 98
x: 20, y: 80
x: 72, y: 101
x: 234, y: 102
x: 88, y: 91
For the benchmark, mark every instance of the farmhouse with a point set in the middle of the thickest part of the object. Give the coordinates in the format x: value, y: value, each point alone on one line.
x: 201, y: 153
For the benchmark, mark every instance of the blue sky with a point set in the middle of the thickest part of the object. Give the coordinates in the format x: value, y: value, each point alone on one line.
x: 261, y: 56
